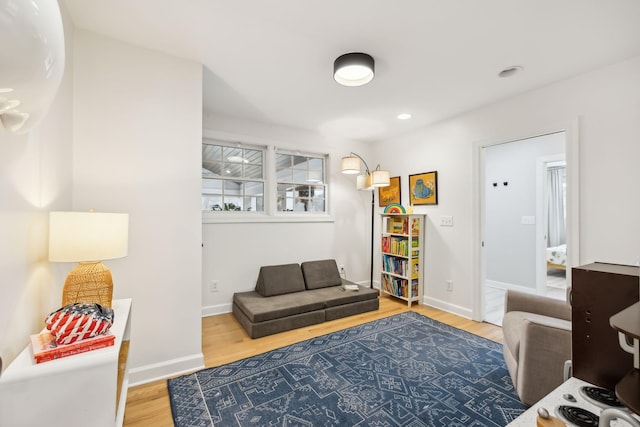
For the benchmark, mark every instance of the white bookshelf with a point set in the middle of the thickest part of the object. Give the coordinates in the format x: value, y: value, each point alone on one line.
x: 402, y: 249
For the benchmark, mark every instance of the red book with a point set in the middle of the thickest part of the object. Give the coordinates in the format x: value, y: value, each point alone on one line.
x: 45, y: 347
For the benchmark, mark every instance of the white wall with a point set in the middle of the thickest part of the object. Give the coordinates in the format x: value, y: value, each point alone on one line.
x: 234, y: 252
x: 137, y: 133
x: 510, y: 245
x: 607, y: 103
x: 35, y: 178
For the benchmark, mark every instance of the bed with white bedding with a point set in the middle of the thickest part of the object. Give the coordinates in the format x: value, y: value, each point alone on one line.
x: 557, y: 257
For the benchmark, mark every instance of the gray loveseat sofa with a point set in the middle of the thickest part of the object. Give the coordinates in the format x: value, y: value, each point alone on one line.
x: 292, y: 296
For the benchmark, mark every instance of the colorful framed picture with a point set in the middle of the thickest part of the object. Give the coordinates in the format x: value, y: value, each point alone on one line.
x: 390, y: 194
x: 423, y: 188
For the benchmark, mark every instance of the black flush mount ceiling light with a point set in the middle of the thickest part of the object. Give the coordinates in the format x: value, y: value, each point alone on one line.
x: 353, y: 69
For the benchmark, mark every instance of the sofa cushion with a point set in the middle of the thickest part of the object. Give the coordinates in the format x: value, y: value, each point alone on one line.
x: 260, y: 309
x: 321, y: 274
x: 269, y: 327
x: 279, y: 279
x: 515, y: 322
x: 344, y: 310
x: 335, y: 295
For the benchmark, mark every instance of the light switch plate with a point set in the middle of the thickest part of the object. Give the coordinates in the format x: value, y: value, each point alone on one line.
x: 528, y: 220
x: 446, y: 221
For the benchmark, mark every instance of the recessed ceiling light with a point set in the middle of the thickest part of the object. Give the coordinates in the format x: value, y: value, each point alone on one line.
x: 404, y: 116
x: 510, y: 71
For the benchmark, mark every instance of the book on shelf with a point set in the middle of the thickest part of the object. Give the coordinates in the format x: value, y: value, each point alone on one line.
x: 397, y: 225
x: 386, y: 244
x: 415, y: 226
x: 395, y: 245
x: 415, y: 268
x: 394, y: 285
x: 394, y: 265
x: 45, y: 347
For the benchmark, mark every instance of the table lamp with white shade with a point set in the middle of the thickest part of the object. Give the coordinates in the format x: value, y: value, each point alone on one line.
x: 88, y: 238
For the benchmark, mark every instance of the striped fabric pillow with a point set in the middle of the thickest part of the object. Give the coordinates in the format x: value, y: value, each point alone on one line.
x: 75, y: 322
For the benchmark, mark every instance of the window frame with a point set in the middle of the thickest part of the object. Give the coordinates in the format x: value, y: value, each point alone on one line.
x: 230, y: 145
x: 322, y: 183
x: 270, y: 213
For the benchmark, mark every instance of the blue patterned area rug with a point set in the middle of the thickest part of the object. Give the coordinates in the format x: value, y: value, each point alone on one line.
x: 404, y: 370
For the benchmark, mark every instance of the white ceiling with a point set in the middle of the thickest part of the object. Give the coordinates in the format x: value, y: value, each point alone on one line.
x: 271, y: 61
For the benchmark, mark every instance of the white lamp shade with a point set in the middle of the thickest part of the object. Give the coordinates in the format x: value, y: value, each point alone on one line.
x: 380, y: 178
x: 363, y: 182
x: 87, y: 236
x: 350, y: 165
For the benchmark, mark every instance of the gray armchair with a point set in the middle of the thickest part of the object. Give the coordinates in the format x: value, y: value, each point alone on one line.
x: 537, y: 342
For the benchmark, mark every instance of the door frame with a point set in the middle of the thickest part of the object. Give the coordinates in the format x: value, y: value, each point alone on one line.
x: 572, y: 148
x: 542, y: 208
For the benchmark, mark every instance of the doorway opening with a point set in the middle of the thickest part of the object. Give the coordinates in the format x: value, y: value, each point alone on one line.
x: 553, y: 275
x: 522, y: 217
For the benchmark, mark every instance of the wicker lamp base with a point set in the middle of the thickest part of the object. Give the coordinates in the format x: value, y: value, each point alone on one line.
x: 88, y: 282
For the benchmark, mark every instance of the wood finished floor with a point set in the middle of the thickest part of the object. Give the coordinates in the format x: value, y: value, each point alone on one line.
x: 224, y: 341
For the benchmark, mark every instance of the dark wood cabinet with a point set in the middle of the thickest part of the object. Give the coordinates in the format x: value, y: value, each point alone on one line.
x: 599, y: 291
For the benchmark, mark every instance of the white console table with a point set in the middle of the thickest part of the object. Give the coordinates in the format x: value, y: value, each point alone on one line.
x: 87, y: 389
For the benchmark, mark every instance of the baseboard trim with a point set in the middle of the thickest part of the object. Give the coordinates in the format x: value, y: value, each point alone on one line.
x: 170, y: 368
x: 212, y: 310
x: 510, y: 286
x: 448, y: 307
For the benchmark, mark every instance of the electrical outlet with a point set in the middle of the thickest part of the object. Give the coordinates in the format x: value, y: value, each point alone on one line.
x: 449, y: 285
x: 342, y: 272
x: 213, y: 286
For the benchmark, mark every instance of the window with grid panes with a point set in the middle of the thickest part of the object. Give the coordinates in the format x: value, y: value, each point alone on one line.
x: 232, y: 177
x: 301, y: 183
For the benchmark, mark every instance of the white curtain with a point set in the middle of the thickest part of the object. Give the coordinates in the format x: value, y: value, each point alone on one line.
x: 556, y: 233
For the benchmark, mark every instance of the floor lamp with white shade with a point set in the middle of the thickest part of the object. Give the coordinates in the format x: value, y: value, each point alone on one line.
x: 370, y: 180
